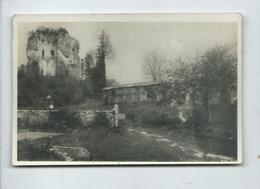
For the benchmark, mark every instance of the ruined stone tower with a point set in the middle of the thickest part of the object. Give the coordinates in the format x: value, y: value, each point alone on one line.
x: 55, y: 51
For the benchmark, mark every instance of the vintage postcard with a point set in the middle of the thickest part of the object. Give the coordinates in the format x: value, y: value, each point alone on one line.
x: 127, y: 89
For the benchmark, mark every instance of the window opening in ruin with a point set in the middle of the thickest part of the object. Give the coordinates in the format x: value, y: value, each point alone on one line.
x: 52, y: 53
x: 72, y: 50
x: 42, y: 53
x: 42, y: 40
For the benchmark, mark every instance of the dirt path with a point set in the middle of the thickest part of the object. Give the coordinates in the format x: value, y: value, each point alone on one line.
x: 34, y: 135
x: 192, y: 151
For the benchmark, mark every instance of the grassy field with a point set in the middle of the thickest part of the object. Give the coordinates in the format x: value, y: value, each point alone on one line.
x: 103, y: 145
x: 151, y: 132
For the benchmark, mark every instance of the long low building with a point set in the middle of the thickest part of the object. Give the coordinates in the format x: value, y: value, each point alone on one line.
x: 136, y: 92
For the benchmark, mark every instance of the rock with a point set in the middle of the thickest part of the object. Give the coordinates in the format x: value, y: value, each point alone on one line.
x: 71, y: 153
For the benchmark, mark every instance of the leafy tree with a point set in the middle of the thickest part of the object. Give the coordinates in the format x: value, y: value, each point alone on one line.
x: 180, y: 78
x: 89, y: 71
x: 215, y: 72
x: 33, y: 71
x: 210, y: 75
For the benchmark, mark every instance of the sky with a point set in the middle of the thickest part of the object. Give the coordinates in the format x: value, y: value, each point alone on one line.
x: 132, y: 41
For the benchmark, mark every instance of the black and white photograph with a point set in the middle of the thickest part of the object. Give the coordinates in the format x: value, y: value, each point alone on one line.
x: 127, y: 89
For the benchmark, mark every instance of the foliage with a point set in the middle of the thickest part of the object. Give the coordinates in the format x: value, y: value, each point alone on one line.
x: 96, y: 66
x: 112, y: 82
x: 62, y: 120
x: 210, y: 78
x: 216, y: 72
x: 37, y: 150
x: 104, y: 51
x: 179, y: 79
x: 152, y: 113
x: 89, y: 60
x: 34, y: 87
x: 100, y: 120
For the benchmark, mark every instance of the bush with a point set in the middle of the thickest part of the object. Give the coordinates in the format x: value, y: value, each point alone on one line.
x: 64, y: 90
x: 160, y: 115
x: 100, y: 120
x: 154, y: 113
x: 37, y: 150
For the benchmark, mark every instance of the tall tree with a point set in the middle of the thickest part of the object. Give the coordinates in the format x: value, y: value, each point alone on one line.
x: 210, y: 75
x: 216, y: 73
x: 104, y: 51
x: 153, y: 66
x: 89, y: 61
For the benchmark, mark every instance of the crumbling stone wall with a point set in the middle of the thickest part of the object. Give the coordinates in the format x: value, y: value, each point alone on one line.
x: 55, y: 51
x: 34, y: 118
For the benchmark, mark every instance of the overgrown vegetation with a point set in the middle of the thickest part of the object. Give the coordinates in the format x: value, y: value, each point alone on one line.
x: 211, y: 78
x: 37, y: 150
x: 33, y: 88
x: 152, y: 113
x: 100, y: 120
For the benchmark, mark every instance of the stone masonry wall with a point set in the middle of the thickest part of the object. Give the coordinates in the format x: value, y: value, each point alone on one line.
x: 55, y: 51
x: 36, y: 118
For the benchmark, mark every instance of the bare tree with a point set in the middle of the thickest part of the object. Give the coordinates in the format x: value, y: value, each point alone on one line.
x: 153, y: 66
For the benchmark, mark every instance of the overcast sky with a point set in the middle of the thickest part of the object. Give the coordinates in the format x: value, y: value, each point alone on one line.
x: 132, y: 41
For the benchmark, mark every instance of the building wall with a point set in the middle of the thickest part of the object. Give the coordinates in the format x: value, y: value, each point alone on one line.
x: 130, y: 94
x: 55, y: 51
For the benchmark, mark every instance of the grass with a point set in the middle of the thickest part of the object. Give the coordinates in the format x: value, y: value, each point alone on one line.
x: 37, y: 150
x: 105, y: 144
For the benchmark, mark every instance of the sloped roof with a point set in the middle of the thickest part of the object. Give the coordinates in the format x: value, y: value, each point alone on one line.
x: 142, y: 84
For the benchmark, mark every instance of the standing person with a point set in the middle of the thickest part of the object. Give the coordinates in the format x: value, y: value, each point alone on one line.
x: 116, y: 111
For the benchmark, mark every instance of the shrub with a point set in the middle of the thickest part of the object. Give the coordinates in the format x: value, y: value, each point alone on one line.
x: 64, y: 90
x: 37, y: 150
x: 160, y: 115
x: 100, y: 120
x: 154, y: 113
x: 62, y: 120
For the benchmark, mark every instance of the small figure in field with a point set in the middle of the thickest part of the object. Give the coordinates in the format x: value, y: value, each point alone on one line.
x: 116, y: 111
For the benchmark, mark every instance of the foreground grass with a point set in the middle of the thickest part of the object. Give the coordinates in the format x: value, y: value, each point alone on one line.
x: 104, y: 145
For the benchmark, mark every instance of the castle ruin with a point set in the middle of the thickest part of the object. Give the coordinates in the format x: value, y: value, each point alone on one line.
x: 56, y: 52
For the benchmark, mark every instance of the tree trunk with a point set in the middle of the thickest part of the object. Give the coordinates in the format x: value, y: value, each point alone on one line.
x: 208, y: 115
